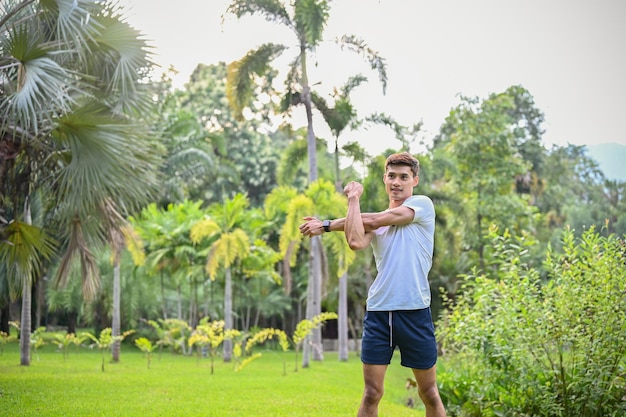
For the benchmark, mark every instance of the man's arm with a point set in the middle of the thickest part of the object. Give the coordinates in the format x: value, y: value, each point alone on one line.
x: 371, y: 221
x: 313, y: 226
x: 356, y: 235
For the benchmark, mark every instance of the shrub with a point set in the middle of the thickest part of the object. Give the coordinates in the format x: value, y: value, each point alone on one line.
x: 520, y: 345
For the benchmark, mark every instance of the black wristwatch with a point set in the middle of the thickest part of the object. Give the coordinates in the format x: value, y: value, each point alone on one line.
x: 326, y: 224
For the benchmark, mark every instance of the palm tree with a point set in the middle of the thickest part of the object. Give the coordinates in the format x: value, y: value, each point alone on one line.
x: 70, y: 99
x: 322, y: 195
x: 169, y: 250
x: 229, y: 244
x: 338, y: 118
x: 307, y: 19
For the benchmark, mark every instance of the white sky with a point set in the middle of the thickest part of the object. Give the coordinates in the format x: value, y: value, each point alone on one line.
x: 570, y: 56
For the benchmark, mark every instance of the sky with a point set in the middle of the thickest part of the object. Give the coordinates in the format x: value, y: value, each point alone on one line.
x: 570, y: 56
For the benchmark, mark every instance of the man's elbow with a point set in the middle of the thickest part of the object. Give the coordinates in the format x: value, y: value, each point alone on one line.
x: 356, y: 244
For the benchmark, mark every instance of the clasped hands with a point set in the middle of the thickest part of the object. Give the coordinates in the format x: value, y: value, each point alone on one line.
x: 313, y: 226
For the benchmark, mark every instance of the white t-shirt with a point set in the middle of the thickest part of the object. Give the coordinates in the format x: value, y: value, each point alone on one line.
x: 404, y: 257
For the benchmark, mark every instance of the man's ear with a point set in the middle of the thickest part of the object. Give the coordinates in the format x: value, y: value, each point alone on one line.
x: 416, y: 180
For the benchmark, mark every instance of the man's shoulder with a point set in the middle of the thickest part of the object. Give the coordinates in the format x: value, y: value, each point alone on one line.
x: 419, y: 199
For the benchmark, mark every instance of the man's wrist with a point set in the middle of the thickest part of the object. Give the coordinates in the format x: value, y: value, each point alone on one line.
x: 326, y: 225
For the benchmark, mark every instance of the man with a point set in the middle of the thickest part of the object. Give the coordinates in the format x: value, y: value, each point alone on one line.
x: 398, y: 303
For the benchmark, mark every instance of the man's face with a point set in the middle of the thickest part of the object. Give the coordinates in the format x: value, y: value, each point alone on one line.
x: 399, y: 182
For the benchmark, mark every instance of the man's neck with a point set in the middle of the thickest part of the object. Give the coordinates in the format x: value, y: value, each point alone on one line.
x: 395, y: 203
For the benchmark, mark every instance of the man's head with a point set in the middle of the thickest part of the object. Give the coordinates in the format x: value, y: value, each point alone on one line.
x: 403, y: 158
x: 401, y: 176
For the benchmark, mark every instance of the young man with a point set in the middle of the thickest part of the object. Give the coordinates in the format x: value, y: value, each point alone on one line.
x: 398, y: 303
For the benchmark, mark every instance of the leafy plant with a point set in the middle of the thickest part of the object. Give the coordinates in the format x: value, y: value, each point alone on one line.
x: 208, y: 336
x: 105, y: 341
x: 65, y: 341
x: 521, y: 345
x: 303, y: 329
x: 37, y: 340
x: 172, y: 332
x: 145, y: 345
x: 261, y: 337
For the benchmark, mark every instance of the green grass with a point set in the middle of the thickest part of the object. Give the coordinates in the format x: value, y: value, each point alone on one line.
x: 183, y: 386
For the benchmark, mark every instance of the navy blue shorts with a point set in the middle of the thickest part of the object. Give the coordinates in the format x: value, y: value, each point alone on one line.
x: 412, y: 331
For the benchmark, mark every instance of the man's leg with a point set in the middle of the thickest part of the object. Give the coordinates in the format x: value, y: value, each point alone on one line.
x: 428, y: 391
x: 374, y: 379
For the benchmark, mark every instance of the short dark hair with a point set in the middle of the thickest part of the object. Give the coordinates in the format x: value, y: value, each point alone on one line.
x: 404, y: 158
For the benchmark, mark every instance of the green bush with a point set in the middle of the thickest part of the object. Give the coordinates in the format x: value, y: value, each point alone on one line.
x: 518, y: 344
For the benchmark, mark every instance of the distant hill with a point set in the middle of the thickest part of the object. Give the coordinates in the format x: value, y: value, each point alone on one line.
x: 611, y: 157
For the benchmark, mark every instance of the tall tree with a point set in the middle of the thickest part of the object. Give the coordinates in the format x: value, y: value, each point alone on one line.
x: 338, y: 118
x: 307, y: 19
x: 479, y: 137
x: 229, y: 244
x: 70, y: 98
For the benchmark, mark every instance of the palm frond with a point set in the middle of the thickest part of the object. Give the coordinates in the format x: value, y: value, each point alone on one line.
x: 240, y: 77
x: 71, y: 21
x: 228, y: 248
x: 271, y: 10
x: 35, y: 86
x: 229, y: 214
x: 24, y: 251
x: 105, y: 161
x: 299, y: 207
x: 79, y: 250
x: 311, y: 17
x: 352, y: 83
x: 376, y: 62
x: 125, y: 61
x: 278, y: 200
x: 203, y: 228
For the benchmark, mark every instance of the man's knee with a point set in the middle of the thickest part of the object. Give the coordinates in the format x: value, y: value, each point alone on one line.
x: 373, y: 393
x: 430, y: 395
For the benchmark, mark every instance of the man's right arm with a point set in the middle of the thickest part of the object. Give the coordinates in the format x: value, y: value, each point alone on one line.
x: 356, y: 234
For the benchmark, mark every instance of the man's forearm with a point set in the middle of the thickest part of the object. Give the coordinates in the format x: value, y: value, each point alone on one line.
x: 338, y: 225
x: 353, y: 225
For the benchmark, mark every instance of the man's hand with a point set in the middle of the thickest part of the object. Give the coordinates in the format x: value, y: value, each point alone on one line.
x: 353, y: 189
x: 311, y: 227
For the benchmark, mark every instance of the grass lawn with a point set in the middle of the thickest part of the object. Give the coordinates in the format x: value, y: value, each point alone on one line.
x: 183, y: 386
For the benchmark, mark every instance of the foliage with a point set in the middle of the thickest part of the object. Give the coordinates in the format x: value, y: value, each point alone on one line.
x: 37, y: 340
x: 105, y: 341
x: 303, y: 329
x: 145, y: 345
x: 75, y: 156
x: 306, y: 326
x: 172, y: 332
x: 518, y: 345
x: 64, y: 341
x: 209, y: 336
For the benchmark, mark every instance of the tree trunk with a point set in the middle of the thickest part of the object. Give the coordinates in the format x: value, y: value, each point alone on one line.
x: 179, y: 293
x: 25, y: 324
x: 72, y: 318
x: 115, y: 327
x: 342, y: 321
x: 25, y: 320
x: 40, y: 301
x: 5, y: 318
x: 315, y: 274
x: 228, y: 315
x: 163, y: 301
x: 318, y: 347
